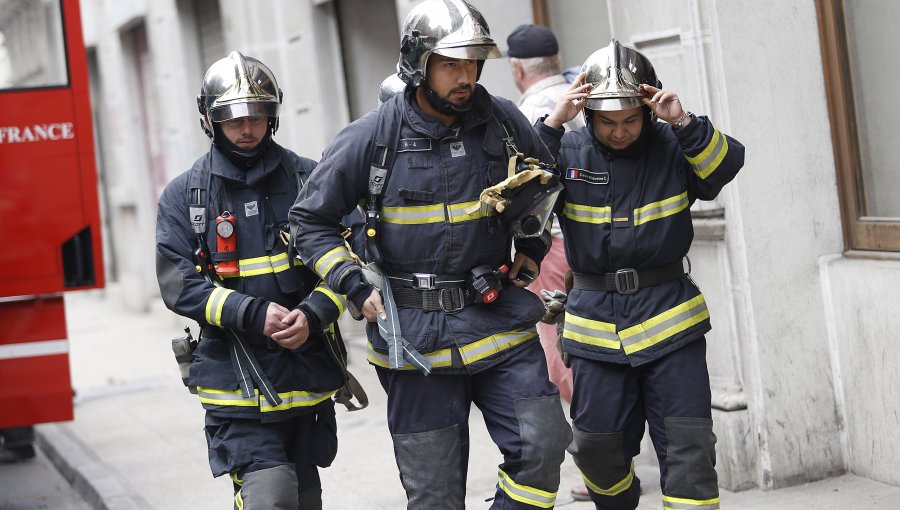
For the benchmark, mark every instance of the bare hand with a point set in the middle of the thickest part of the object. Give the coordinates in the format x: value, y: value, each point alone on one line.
x: 274, y: 314
x: 373, y: 307
x: 570, y: 103
x: 518, y: 262
x: 665, y: 104
x: 296, y: 330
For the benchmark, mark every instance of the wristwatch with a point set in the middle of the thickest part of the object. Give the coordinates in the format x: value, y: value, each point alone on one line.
x: 678, y: 125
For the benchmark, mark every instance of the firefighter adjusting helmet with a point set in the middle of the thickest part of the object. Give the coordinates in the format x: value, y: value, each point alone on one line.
x: 451, y: 28
x: 616, y: 73
x: 238, y: 86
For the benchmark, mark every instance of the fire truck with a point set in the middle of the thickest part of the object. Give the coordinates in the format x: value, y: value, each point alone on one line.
x: 49, y: 211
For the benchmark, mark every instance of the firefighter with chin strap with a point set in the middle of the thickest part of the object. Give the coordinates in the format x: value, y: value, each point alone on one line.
x: 269, y: 365
x: 450, y: 324
x: 634, y: 320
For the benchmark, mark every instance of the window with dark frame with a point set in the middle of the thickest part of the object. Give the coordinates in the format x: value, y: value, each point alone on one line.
x: 857, y: 41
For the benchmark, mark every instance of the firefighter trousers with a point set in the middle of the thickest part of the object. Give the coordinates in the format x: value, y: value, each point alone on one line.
x: 428, y: 418
x: 610, y: 406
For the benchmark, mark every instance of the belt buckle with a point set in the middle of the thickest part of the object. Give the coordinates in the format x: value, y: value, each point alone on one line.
x: 627, y: 281
x: 449, y: 293
x: 423, y: 281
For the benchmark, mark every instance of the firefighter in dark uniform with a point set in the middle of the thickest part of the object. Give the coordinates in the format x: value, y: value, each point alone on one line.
x: 634, y: 321
x: 262, y: 368
x: 431, y: 242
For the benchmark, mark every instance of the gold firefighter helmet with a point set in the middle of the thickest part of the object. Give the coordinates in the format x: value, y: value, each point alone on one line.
x: 452, y: 28
x: 238, y: 86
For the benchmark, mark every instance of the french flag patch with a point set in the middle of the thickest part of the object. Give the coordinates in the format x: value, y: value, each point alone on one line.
x: 580, y: 174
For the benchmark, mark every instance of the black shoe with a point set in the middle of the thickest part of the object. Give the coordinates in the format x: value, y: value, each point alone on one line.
x: 16, y: 454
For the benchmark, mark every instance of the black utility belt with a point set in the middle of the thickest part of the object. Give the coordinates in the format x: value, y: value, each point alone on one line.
x: 434, y: 292
x: 628, y: 280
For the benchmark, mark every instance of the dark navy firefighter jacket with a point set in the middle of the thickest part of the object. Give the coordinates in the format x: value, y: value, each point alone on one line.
x: 631, y: 209
x: 260, y: 199
x: 438, y: 173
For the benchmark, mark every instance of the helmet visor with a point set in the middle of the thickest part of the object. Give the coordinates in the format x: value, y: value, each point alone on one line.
x: 476, y: 52
x: 225, y: 112
x: 611, y: 104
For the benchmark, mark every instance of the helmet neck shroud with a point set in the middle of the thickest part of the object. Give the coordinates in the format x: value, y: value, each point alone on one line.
x: 244, y: 159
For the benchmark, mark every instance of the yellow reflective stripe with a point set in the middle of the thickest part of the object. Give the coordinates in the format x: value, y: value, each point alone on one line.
x: 661, y: 209
x: 670, y: 503
x: 413, y: 215
x: 587, y: 213
x: 226, y: 397
x: 525, y: 494
x: 238, y: 497
x: 591, y: 332
x: 618, y: 488
x: 338, y: 301
x: 279, y: 262
x: 707, y: 161
x: 457, y: 212
x: 664, y: 325
x: 293, y: 399
x: 215, y: 303
x: 263, y: 265
x: 234, y: 398
x: 495, y: 343
x: 441, y: 358
x: 332, y: 257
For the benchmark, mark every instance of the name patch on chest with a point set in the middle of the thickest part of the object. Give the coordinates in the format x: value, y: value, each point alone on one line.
x: 457, y: 150
x: 414, y: 145
x: 578, y: 174
x: 250, y: 209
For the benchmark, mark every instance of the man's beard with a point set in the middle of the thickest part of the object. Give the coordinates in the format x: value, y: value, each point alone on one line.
x: 445, y: 106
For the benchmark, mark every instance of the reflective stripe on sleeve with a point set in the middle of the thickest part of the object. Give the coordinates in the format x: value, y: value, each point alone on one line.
x: 670, y: 503
x: 591, y: 332
x: 707, y: 161
x: 667, y: 324
x: 338, y: 300
x: 330, y: 259
x: 587, y: 213
x: 661, y: 209
x: 215, y: 303
x: 525, y: 494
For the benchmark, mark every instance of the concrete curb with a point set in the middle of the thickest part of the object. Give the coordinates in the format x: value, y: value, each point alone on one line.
x: 87, y: 475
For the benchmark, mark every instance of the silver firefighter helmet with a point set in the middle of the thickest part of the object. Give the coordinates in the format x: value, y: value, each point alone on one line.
x: 452, y: 28
x: 238, y: 86
x: 390, y: 87
x: 616, y: 73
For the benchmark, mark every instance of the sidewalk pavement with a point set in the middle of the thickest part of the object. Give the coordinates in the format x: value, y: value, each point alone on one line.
x: 137, y: 439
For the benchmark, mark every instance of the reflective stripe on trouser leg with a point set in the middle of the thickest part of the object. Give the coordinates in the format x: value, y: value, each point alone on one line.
x: 267, y: 489
x: 545, y: 435
x: 430, y: 465
x: 692, y: 483
x: 609, y: 476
